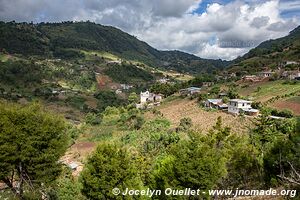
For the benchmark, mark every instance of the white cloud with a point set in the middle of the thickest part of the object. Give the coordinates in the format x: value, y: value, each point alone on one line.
x: 221, y: 31
x: 212, y: 51
x: 289, y: 5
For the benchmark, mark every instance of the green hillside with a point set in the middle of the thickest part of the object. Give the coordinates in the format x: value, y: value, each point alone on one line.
x: 65, y: 40
x: 271, y: 53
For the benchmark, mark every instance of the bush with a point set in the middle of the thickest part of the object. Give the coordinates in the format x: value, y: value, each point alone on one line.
x: 109, y: 167
x: 92, y: 119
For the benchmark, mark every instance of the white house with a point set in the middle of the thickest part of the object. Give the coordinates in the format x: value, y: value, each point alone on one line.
x: 126, y: 86
x: 265, y: 74
x: 148, y: 97
x: 291, y: 63
x: 236, y: 105
x: 163, y: 80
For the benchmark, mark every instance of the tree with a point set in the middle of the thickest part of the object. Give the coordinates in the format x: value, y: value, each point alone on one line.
x: 215, y: 90
x: 185, y: 124
x: 192, y: 163
x: 68, y: 187
x: 107, y: 98
x: 283, y: 160
x: 31, y: 143
x: 108, y: 168
x: 133, y: 98
x: 198, y: 162
x: 92, y: 119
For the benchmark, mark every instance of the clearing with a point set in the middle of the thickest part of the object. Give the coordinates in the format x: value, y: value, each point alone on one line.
x: 202, y: 120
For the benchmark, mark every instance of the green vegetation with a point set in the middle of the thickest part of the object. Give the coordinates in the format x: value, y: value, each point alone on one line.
x: 270, y: 89
x: 294, y: 99
x: 128, y: 73
x: 31, y: 143
x: 137, y: 153
x: 166, y: 89
x: 108, y: 98
x: 75, y: 39
x: 109, y: 167
x: 186, y: 158
x: 67, y: 67
x: 20, y: 73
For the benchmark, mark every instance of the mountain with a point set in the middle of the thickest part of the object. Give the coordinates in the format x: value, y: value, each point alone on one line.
x: 67, y: 39
x: 271, y: 53
x: 184, y: 62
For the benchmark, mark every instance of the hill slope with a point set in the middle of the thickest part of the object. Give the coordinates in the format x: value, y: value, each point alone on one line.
x: 67, y: 38
x: 271, y: 53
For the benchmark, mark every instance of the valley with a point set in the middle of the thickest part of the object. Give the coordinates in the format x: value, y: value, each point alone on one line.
x: 105, y: 110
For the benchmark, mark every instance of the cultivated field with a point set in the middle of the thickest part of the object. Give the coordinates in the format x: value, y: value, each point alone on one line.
x: 202, y: 120
x: 266, y: 90
x: 290, y: 104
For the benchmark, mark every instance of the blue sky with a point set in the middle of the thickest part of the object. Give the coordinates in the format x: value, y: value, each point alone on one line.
x: 203, y: 5
x: 208, y: 28
x: 292, y: 7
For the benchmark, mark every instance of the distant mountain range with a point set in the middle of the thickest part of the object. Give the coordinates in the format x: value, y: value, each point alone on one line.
x: 66, y: 39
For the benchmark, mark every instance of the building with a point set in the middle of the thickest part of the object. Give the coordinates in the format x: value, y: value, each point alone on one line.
x: 251, y: 78
x: 126, y: 86
x: 148, y: 99
x: 118, y: 91
x: 223, y: 94
x: 265, y: 74
x: 163, y: 80
x: 190, y: 91
x: 73, y: 166
x: 216, y: 103
x: 250, y: 111
x: 235, y: 106
x: 291, y: 63
x: 291, y: 75
x: 114, y: 62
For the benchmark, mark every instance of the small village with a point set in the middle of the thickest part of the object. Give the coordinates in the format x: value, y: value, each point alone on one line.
x: 222, y: 103
x: 161, y: 100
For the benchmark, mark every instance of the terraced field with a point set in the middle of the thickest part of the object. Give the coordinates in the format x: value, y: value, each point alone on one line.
x: 266, y: 90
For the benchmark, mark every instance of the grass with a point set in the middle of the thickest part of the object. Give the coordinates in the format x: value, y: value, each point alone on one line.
x: 294, y: 99
x: 103, y: 54
x: 264, y: 91
x: 177, y: 76
x: 98, y: 133
x: 4, y: 57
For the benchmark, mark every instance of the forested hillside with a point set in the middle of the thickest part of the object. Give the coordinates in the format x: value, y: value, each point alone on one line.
x: 68, y: 38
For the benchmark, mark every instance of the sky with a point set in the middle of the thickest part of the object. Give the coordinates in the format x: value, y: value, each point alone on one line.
x: 218, y: 29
